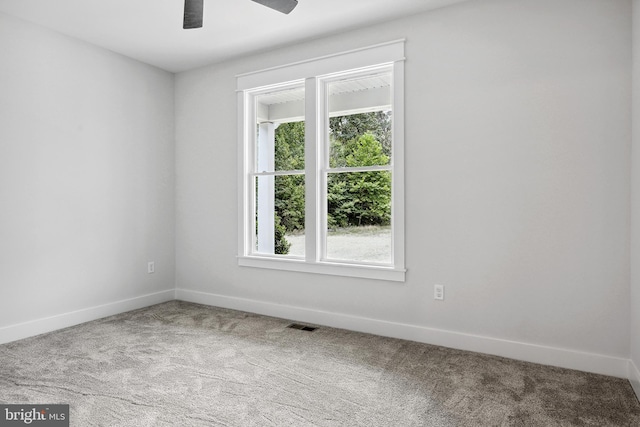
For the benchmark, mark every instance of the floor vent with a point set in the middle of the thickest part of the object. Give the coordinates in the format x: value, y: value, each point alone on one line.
x: 301, y: 327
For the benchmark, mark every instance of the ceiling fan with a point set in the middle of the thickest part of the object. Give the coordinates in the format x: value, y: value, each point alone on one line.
x: 193, y: 10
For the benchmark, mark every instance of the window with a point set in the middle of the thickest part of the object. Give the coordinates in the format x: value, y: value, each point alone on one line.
x: 321, y: 165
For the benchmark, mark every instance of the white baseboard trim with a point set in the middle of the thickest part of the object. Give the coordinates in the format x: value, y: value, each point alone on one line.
x: 570, y: 359
x: 64, y: 320
x: 634, y: 378
x: 588, y: 362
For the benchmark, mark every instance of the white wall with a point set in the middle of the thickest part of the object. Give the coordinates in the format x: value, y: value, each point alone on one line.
x: 86, y: 181
x: 518, y: 179
x: 634, y: 367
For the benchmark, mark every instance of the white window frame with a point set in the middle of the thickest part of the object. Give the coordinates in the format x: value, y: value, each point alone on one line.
x: 315, y: 73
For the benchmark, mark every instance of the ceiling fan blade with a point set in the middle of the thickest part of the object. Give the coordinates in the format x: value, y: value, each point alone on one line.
x: 284, y: 6
x: 193, y: 14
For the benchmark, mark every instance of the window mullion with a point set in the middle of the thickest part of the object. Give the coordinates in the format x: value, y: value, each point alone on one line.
x: 312, y: 178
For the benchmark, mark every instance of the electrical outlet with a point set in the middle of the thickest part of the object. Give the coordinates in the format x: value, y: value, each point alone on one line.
x: 438, y: 292
x: 151, y: 267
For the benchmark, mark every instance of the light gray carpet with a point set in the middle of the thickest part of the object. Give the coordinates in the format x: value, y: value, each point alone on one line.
x: 182, y: 364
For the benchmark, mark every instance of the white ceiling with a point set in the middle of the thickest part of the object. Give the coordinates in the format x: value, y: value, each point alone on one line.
x: 151, y: 30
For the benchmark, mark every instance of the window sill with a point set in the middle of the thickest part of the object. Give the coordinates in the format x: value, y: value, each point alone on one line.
x: 332, y: 269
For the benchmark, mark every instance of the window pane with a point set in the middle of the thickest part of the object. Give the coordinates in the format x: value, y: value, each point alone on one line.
x: 280, y: 215
x: 360, y: 121
x: 289, y: 146
x: 359, y: 216
x: 280, y: 130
